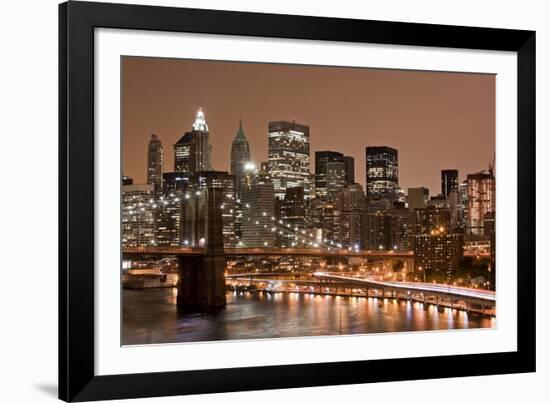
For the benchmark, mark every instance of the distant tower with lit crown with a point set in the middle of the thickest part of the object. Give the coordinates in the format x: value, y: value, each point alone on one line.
x: 154, y: 162
x: 192, y: 152
x: 240, y: 155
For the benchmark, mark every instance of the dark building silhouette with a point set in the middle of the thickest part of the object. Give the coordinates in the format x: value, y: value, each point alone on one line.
x: 126, y: 180
x: 155, y: 160
x: 382, y: 171
x: 322, y: 158
x: 350, y: 169
x: 449, y: 181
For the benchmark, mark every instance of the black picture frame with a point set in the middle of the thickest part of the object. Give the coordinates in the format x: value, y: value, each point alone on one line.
x: 77, y: 379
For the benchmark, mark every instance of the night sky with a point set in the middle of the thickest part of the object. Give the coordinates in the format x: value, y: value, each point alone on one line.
x: 435, y: 120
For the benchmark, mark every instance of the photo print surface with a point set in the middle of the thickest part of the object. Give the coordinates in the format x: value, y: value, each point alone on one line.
x: 272, y: 200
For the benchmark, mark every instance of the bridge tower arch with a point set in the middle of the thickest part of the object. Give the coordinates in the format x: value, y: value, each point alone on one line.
x: 201, y: 286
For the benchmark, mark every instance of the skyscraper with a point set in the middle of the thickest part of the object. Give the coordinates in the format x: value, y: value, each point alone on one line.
x: 155, y: 160
x: 192, y: 152
x: 382, y: 173
x: 293, y: 213
x: 336, y: 178
x: 288, y: 156
x: 437, y: 249
x: 240, y: 155
x: 258, y: 206
x: 138, y: 221
x: 322, y: 158
x: 350, y: 169
x: 481, y: 200
x: 449, y: 181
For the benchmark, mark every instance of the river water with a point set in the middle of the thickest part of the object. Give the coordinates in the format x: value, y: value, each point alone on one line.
x: 151, y: 316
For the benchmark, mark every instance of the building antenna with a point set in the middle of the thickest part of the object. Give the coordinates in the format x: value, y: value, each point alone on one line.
x: 492, y: 165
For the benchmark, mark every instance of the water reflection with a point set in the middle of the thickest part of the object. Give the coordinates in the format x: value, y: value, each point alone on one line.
x: 151, y: 317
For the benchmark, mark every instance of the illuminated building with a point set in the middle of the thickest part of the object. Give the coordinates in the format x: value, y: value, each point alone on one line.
x: 431, y: 217
x: 288, y: 156
x: 449, y: 181
x: 221, y: 180
x: 138, y: 223
x: 154, y: 162
x: 352, y: 198
x: 436, y: 247
x: 240, y: 156
x: 258, y: 208
x: 175, y: 182
x: 325, y: 222
x: 167, y: 213
x: 336, y: 178
x: 322, y: 158
x: 382, y: 172
x: 438, y: 252
x: 192, y: 152
x: 481, y: 200
x: 293, y: 208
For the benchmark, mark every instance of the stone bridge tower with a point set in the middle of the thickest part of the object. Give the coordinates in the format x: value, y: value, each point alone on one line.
x: 202, y: 282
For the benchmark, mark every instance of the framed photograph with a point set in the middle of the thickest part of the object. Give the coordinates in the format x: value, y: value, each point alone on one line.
x: 257, y: 201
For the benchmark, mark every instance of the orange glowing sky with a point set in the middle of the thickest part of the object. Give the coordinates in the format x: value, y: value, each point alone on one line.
x: 436, y: 120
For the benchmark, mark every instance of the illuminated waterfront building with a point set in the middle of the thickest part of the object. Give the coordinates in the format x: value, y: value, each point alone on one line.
x: 481, y: 200
x: 155, y: 160
x: 438, y: 252
x: 288, y: 156
x: 437, y: 248
x: 382, y: 173
x: 293, y: 215
x: 240, y: 156
x: 192, y: 152
x: 138, y: 223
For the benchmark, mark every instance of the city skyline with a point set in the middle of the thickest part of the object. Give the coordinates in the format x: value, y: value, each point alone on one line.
x: 140, y: 112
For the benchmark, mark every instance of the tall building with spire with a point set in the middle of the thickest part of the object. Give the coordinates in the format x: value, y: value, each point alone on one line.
x: 154, y: 162
x: 240, y: 155
x: 192, y: 152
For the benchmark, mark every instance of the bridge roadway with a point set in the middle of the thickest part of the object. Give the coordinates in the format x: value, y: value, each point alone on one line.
x: 472, y: 294
x: 427, y: 288
x: 231, y: 252
x: 322, y: 252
